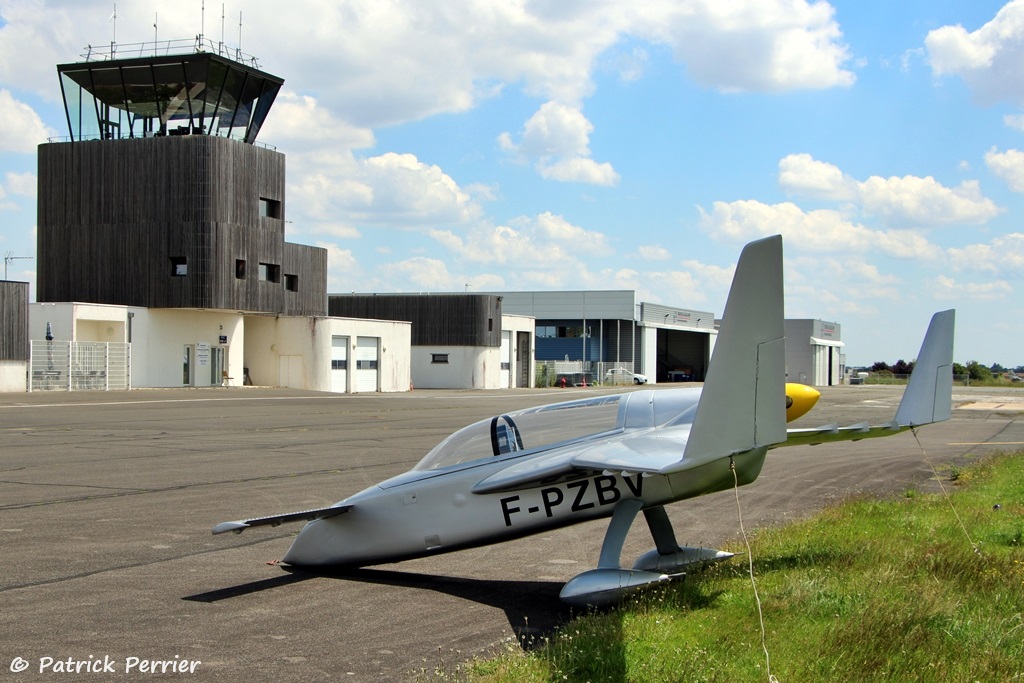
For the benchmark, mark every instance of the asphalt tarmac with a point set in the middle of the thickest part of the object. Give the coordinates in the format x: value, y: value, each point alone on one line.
x: 107, y: 501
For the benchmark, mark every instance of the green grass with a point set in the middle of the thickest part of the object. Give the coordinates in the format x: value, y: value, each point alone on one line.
x: 870, y: 590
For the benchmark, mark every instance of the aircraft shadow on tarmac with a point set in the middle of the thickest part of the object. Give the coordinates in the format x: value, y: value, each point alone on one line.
x: 532, y: 608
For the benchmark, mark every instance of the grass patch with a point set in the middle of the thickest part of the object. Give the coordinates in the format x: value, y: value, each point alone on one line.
x: 870, y: 590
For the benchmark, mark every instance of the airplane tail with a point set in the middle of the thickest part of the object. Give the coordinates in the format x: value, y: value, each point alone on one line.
x: 742, y: 405
x: 928, y: 397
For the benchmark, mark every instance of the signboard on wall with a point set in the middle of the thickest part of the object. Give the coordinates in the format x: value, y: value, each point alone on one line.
x: 203, y: 354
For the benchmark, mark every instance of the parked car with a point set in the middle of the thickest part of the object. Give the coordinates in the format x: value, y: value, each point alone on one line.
x: 623, y: 376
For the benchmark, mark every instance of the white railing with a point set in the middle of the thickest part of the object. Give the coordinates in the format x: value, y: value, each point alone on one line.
x: 80, y: 366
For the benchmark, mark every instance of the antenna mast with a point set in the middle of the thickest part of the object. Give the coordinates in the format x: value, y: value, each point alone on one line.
x: 156, y: 17
x: 113, y: 36
x: 8, y: 257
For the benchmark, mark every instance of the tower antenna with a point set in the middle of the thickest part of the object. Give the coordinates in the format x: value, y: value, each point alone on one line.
x: 156, y: 17
x: 238, y: 49
x: 202, y: 20
x: 113, y: 35
x: 221, y: 50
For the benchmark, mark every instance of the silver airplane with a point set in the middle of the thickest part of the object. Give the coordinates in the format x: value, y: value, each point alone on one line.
x: 532, y: 470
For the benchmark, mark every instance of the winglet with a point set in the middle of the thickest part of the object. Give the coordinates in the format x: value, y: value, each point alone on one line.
x: 929, y: 394
x: 742, y: 403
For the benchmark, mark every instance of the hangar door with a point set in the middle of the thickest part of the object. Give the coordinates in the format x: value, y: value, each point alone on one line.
x: 682, y: 355
x: 367, y: 363
x: 339, y: 364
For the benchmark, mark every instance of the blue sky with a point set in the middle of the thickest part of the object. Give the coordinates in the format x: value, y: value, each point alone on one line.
x: 487, y: 145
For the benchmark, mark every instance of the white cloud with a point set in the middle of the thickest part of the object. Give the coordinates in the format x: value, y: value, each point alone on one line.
x: 557, y: 138
x: 987, y: 59
x: 803, y: 175
x: 910, y: 201
x: 547, y: 242
x: 1003, y: 255
x: 654, y: 253
x: 580, y: 170
x: 821, y: 230
x: 1008, y: 165
x: 946, y: 288
x: 389, y: 190
x: 22, y: 129
x: 1015, y: 121
x: 752, y: 45
x: 301, y: 122
x: 23, y: 184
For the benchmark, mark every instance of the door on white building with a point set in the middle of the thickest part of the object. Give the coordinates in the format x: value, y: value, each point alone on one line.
x: 367, y: 363
x: 339, y: 364
x: 506, y: 359
x: 186, y: 366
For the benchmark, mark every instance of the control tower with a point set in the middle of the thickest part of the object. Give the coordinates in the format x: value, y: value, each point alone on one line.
x: 161, y: 195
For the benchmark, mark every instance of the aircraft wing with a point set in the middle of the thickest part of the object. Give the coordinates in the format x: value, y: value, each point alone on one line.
x: 274, y: 520
x: 643, y: 454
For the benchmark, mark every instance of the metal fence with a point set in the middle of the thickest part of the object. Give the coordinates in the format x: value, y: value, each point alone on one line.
x: 80, y: 366
x: 578, y: 373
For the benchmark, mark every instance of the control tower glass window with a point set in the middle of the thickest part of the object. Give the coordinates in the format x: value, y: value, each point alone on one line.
x: 192, y: 94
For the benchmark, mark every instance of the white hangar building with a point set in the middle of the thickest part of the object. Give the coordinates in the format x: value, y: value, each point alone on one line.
x: 814, y: 352
x: 605, y: 329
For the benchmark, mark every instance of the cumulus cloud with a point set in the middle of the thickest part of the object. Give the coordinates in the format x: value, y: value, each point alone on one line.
x: 1008, y: 165
x: 22, y: 129
x: 23, y: 184
x: 1003, y: 255
x: 1015, y: 121
x: 803, y: 175
x: 389, y: 190
x: 654, y: 253
x: 820, y: 230
x: 546, y: 241
x: 753, y: 45
x: 987, y: 59
x: 900, y: 202
x: 946, y: 288
x: 911, y: 201
x: 302, y: 122
x: 557, y: 138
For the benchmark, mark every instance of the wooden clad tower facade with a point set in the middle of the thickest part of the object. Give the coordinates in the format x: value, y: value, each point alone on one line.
x: 161, y: 198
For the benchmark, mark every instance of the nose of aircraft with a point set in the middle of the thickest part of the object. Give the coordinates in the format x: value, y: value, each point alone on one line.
x: 318, y: 543
x: 799, y: 399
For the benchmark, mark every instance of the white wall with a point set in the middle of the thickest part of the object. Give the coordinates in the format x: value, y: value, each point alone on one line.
x: 13, y: 374
x: 649, y: 352
x: 278, y: 350
x: 468, y: 367
x: 305, y: 345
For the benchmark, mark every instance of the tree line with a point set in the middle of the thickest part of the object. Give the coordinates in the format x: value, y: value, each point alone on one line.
x: 973, y: 369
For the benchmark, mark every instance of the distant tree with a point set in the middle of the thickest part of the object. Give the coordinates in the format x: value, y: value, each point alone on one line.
x: 977, y: 371
x: 997, y: 369
x: 881, y: 366
x: 1019, y: 368
x: 902, y: 367
x: 959, y: 370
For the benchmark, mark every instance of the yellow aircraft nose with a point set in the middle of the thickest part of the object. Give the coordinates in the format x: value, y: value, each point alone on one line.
x: 799, y: 399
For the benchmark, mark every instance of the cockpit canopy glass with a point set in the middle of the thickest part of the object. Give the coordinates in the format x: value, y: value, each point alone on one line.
x: 531, y: 429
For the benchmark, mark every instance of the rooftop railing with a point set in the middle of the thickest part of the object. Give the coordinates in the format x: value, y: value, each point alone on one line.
x: 182, y: 46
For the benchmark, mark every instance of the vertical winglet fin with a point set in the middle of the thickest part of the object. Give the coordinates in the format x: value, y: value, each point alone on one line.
x: 929, y: 394
x: 742, y: 404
